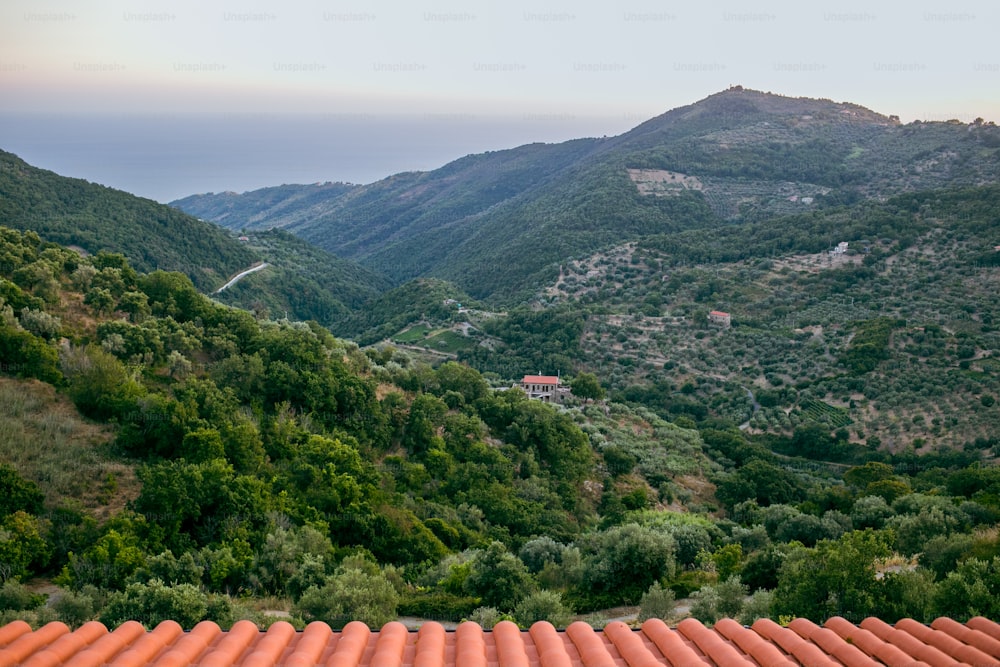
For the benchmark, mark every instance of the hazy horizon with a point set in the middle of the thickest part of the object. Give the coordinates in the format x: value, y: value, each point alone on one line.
x: 168, y: 157
x: 166, y: 100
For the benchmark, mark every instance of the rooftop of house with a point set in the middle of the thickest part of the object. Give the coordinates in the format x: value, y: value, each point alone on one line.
x: 540, y: 379
x: 719, y: 313
x: 837, y: 643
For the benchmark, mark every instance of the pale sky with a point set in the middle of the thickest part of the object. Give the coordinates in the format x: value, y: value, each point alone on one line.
x: 558, y: 69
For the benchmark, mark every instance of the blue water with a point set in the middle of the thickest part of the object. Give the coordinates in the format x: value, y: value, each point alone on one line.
x: 169, y: 156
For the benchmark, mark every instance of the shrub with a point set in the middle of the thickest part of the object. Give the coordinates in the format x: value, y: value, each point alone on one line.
x: 657, y: 602
x: 41, y: 323
x: 487, y: 617
x: 351, y: 594
x: 722, y: 600
x: 154, y: 602
x: 16, y: 597
x: 542, y: 606
x: 74, y: 609
x: 438, y: 606
x: 757, y: 606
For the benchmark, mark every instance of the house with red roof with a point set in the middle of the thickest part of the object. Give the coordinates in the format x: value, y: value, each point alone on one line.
x: 543, y: 388
x: 721, y: 318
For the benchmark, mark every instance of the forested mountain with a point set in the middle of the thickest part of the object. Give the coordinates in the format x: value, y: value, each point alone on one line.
x: 302, y: 281
x: 499, y: 223
x: 266, y: 208
x: 78, y: 213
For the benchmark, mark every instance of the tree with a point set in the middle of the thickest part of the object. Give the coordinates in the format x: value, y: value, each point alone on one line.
x: 761, y: 481
x: 870, y: 512
x: 721, y: 600
x: 859, y: 477
x: 22, y: 548
x: 539, y: 552
x: 136, y: 304
x: 17, y: 493
x: 623, y: 562
x: 282, y: 554
x: 587, y: 386
x: 100, y: 299
x: 25, y: 355
x: 728, y: 560
x: 108, y: 563
x: 971, y: 590
x: 99, y: 384
x: 459, y: 378
x: 837, y: 577
x: 498, y: 578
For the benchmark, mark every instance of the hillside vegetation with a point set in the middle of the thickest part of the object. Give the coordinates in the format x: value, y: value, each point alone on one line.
x: 303, y: 281
x: 77, y: 213
x: 498, y: 224
x: 829, y: 448
x: 259, y: 209
x: 244, y: 458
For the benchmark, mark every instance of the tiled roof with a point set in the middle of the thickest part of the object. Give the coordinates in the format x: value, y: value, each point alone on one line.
x: 838, y: 643
x: 540, y: 379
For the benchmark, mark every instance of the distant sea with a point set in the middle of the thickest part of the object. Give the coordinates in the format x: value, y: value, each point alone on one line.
x: 168, y: 156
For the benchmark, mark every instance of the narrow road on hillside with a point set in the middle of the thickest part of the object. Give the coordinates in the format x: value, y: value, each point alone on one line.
x: 755, y: 408
x: 239, y: 276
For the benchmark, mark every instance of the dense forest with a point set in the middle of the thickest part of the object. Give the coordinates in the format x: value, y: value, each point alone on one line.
x: 204, y: 462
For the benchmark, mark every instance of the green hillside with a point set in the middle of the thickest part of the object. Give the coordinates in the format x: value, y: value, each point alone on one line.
x: 77, y: 213
x: 497, y: 224
x: 894, y: 341
x: 830, y: 450
x: 262, y: 209
x: 226, y: 460
x: 302, y: 282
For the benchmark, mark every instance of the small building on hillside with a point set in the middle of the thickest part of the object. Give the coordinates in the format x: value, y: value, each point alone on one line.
x: 720, y: 318
x: 543, y: 388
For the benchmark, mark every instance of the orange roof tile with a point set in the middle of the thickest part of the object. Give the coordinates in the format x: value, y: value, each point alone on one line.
x: 690, y: 644
x: 540, y: 379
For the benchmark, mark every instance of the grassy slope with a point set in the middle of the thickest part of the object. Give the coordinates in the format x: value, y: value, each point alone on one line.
x: 44, y: 437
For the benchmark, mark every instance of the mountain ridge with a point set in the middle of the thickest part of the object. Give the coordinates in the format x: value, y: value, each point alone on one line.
x: 495, y: 223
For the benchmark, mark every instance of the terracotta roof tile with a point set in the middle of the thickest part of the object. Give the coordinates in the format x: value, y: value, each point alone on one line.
x: 986, y: 626
x: 976, y: 638
x: 831, y: 644
x: 944, y: 642
x: 690, y: 644
x: 907, y: 643
x: 672, y: 644
x: 870, y: 644
x: 719, y: 651
x: 550, y: 646
x: 540, y: 379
